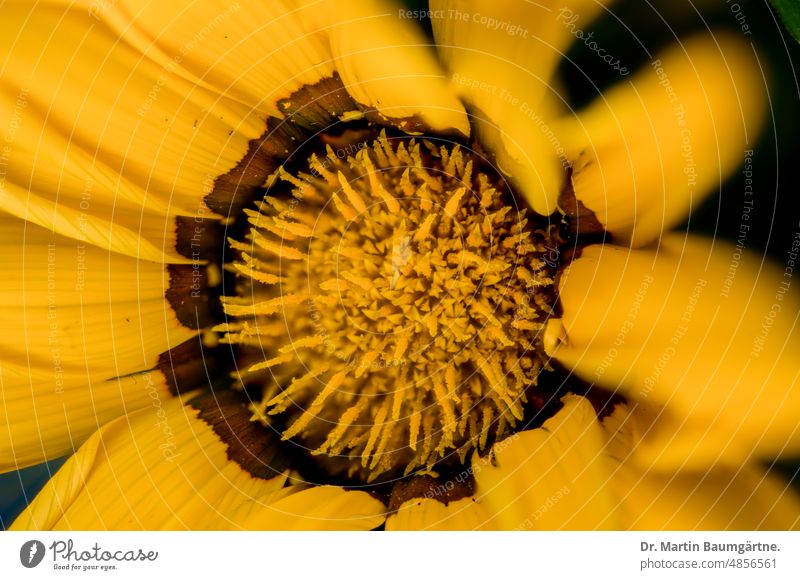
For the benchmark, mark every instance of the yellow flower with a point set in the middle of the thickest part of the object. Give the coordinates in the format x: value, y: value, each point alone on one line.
x: 266, y: 268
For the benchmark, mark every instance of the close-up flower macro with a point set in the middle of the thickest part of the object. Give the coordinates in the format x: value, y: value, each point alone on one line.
x: 364, y: 265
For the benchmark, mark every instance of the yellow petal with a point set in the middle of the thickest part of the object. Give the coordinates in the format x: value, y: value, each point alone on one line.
x: 551, y: 478
x: 725, y: 498
x: 256, y: 53
x: 386, y: 63
x: 318, y: 508
x: 47, y: 414
x: 61, y: 490
x: 74, y: 318
x: 98, y: 312
x: 651, y: 149
x: 426, y: 514
x: 167, y: 468
x: 104, y: 141
x: 262, y: 53
x: 701, y: 336
x: 502, y: 56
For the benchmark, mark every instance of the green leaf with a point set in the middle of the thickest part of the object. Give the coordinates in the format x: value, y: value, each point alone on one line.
x: 789, y: 11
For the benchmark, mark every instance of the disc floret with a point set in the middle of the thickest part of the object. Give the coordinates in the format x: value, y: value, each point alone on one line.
x: 395, y: 303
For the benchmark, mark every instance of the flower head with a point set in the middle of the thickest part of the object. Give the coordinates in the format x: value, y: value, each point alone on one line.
x: 274, y: 256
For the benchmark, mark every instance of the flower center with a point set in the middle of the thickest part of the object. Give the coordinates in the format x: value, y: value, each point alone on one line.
x: 390, y: 307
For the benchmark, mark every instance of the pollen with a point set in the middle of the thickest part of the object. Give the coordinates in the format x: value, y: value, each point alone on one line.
x: 390, y: 306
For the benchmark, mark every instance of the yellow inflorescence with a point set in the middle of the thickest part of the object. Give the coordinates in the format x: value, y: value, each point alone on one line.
x: 396, y: 302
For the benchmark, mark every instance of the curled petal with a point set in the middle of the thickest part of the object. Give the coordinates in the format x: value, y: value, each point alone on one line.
x: 108, y: 147
x: 178, y: 467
